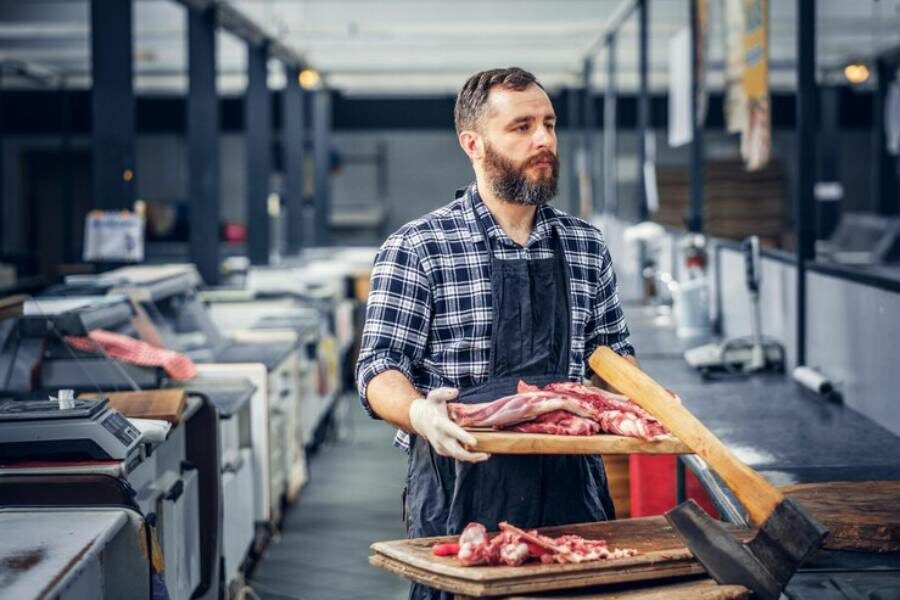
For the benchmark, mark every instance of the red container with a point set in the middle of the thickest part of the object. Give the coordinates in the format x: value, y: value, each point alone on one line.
x: 653, y: 486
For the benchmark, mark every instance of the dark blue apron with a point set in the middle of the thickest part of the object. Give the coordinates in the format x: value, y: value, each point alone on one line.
x: 530, y: 340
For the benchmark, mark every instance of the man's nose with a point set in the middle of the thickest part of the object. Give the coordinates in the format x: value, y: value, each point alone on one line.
x: 543, y: 138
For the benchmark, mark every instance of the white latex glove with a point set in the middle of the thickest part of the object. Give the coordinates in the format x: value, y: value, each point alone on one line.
x: 429, y: 418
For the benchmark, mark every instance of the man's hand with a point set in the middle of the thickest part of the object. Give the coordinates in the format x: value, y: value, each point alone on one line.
x: 429, y: 418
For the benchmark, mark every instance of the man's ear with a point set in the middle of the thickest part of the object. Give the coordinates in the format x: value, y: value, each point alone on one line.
x: 472, y: 144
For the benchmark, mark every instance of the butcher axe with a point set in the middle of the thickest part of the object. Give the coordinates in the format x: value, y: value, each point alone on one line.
x: 787, y: 534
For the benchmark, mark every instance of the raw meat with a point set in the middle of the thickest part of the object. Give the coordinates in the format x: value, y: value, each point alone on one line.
x: 601, y: 399
x: 136, y: 352
x: 514, y: 546
x: 568, y: 548
x: 559, y: 422
x: 474, y: 545
x: 517, y: 408
x: 561, y: 409
x: 514, y: 554
x: 630, y: 425
x: 450, y: 549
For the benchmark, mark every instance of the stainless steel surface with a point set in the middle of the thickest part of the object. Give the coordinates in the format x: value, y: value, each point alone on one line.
x: 75, y: 554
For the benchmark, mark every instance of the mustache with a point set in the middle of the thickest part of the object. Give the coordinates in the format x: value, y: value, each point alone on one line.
x: 542, y: 157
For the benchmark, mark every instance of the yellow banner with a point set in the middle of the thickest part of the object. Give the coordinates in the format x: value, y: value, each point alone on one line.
x: 756, y: 138
x: 756, y: 48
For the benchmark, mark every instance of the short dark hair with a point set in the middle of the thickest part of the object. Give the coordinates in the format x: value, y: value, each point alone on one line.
x: 474, y: 94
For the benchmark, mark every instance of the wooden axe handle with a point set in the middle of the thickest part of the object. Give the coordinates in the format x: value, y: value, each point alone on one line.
x: 757, y: 495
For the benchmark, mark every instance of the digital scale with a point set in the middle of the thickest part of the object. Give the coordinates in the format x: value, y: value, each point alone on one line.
x: 41, y: 430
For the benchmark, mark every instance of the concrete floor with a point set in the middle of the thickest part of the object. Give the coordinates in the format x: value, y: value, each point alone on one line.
x: 351, y: 500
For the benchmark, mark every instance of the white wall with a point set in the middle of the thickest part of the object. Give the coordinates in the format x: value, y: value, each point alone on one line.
x: 852, y: 337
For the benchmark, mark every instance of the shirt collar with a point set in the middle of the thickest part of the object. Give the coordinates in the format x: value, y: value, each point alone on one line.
x: 475, y: 209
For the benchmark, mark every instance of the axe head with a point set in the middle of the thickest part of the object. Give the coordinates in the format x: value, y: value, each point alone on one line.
x: 764, y: 564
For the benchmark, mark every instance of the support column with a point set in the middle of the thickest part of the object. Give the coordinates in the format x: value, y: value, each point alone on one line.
x: 572, y: 111
x: 70, y: 252
x: 203, y: 143
x: 322, y: 164
x: 643, y: 106
x: 112, y: 105
x: 3, y: 198
x: 884, y: 166
x: 695, y: 219
x: 588, y: 128
x: 610, y: 148
x: 292, y: 140
x: 805, y: 213
x: 258, y: 135
x: 828, y: 191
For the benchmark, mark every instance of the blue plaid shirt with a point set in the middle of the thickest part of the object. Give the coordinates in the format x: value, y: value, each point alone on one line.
x: 429, y: 309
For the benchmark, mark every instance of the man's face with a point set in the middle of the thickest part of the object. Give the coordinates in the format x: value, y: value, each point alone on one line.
x: 519, y: 132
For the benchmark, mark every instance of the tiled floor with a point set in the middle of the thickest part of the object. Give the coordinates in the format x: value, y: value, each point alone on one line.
x: 351, y: 500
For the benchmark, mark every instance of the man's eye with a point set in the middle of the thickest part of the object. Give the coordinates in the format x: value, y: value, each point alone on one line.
x: 551, y: 126
x: 522, y: 128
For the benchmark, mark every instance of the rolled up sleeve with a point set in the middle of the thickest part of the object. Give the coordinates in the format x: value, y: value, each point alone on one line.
x: 398, y: 314
x: 607, y: 326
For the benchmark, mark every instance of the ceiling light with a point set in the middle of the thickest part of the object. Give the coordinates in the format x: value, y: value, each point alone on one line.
x: 856, y: 72
x: 309, y: 79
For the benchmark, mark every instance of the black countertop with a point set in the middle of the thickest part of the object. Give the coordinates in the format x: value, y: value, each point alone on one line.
x: 773, y: 424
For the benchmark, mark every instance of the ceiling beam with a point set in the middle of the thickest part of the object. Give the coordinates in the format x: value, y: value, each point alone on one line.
x: 235, y: 22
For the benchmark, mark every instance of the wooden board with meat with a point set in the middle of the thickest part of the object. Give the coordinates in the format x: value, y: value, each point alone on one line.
x: 701, y: 588
x: 510, y: 442
x: 660, y: 554
x: 564, y: 418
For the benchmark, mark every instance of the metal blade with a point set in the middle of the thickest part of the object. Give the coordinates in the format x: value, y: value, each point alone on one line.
x: 727, y: 560
x: 787, y: 538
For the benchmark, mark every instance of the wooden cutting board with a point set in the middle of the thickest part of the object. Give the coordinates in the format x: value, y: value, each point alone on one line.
x: 694, y: 589
x: 164, y: 405
x: 662, y: 555
x: 512, y: 442
x: 860, y: 515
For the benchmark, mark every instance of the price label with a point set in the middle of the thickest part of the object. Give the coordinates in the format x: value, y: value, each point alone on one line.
x: 113, y: 236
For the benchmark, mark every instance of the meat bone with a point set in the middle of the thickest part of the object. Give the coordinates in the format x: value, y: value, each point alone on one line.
x: 787, y: 533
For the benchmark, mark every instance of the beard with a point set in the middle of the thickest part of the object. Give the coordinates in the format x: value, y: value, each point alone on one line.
x: 510, y: 182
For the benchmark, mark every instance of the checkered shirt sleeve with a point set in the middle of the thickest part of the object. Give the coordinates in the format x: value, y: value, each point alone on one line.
x: 397, y: 315
x: 606, y: 325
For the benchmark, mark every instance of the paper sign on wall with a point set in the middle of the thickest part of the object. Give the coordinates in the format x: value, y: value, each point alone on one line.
x: 681, y: 130
x: 114, y: 236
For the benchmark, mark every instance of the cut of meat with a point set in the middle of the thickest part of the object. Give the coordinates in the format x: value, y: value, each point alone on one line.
x: 514, y: 554
x: 645, y: 426
x: 568, y: 548
x: 631, y: 425
x: 561, y: 409
x: 559, y: 422
x: 601, y: 399
x: 517, y: 408
x: 449, y: 549
x: 523, y: 387
x: 514, y: 546
x: 474, y: 545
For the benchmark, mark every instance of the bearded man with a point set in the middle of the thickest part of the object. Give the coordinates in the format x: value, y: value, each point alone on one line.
x: 495, y: 287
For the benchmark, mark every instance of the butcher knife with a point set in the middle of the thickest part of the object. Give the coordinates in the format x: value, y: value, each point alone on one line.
x: 787, y: 533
